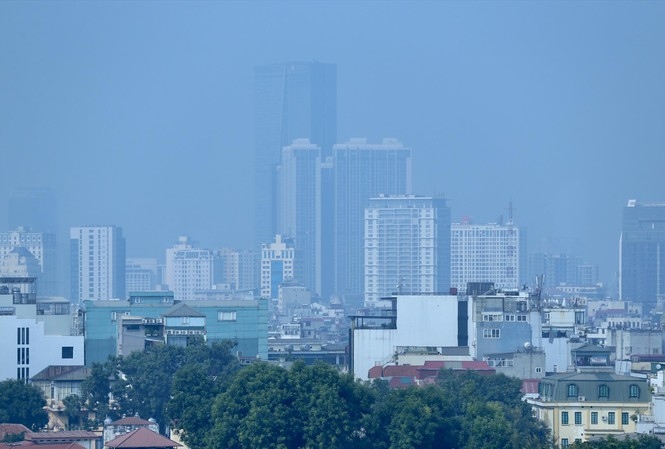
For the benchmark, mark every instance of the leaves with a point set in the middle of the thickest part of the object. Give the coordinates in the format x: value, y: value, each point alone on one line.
x: 22, y: 403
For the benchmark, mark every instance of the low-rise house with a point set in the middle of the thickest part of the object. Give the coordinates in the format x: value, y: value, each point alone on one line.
x: 141, y: 438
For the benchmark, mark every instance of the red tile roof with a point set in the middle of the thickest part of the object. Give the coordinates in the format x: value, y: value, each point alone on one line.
x: 62, y: 436
x: 530, y: 386
x: 12, y: 429
x: 141, y: 438
x: 131, y: 421
x: 32, y: 445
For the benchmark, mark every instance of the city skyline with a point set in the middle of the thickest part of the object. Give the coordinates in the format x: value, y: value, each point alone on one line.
x: 555, y: 107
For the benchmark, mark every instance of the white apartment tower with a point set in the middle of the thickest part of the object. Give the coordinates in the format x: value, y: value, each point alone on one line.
x: 487, y: 253
x: 42, y: 247
x: 97, y: 263
x: 407, y: 246
x: 189, y: 269
x: 239, y: 268
x: 277, y: 260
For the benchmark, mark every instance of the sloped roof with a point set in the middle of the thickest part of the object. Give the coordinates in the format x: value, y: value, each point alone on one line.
x: 131, y: 421
x: 70, y: 435
x: 141, y: 438
x: 22, y: 251
x: 12, y: 429
x: 62, y: 373
x: 183, y: 309
x: 33, y: 445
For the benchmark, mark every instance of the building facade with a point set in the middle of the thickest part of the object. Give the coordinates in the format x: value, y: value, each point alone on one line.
x: 642, y: 253
x: 189, y: 269
x: 97, y: 255
x: 407, y: 246
x: 277, y: 266
x: 299, y: 208
x: 488, y: 253
x: 292, y: 100
x: 239, y: 268
x: 362, y: 171
x: 141, y: 274
x: 42, y: 246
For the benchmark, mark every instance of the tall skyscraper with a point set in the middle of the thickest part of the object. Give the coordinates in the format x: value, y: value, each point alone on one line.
x: 407, y: 246
x: 642, y: 252
x: 42, y: 246
x: 189, y: 269
x: 492, y: 252
x: 292, y: 100
x: 299, y: 209
x: 362, y: 171
x: 97, y: 263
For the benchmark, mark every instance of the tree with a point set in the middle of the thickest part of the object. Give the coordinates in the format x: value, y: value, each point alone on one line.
x: 22, y: 403
x: 73, y: 410
x: 95, y: 390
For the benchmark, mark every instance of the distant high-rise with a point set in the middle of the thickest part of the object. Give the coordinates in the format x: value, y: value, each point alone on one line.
x: 189, y: 269
x: 97, y: 263
x: 407, y: 246
x: 292, y: 100
x: 276, y: 266
x: 362, y: 171
x: 141, y: 274
x: 492, y: 252
x: 42, y: 246
x: 299, y: 206
x: 642, y: 252
x: 239, y: 268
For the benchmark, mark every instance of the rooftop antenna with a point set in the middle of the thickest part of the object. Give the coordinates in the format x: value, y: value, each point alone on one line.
x: 510, y: 212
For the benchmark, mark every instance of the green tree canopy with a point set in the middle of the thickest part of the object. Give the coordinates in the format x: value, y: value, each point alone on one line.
x: 22, y: 403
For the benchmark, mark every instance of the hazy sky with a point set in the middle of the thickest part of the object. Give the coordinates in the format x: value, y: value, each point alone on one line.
x: 140, y: 114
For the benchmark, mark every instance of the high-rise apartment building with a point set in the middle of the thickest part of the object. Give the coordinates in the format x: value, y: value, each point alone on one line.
x: 238, y: 268
x: 362, y: 171
x: 488, y: 253
x: 299, y: 209
x: 141, y: 274
x: 97, y: 263
x: 292, y: 100
x: 407, y: 246
x: 277, y: 266
x: 189, y: 269
x: 42, y: 246
x: 642, y: 252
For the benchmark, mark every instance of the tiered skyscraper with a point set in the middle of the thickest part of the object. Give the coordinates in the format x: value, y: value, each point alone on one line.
x: 362, y: 171
x: 642, y: 252
x: 97, y: 263
x: 292, y: 100
x: 407, y: 246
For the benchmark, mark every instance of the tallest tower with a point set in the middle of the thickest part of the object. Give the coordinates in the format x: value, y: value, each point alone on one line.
x: 292, y: 100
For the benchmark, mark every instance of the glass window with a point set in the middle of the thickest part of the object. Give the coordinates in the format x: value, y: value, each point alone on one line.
x: 594, y: 417
x: 572, y: 390
x: 564, y: 443
x: 603, y: 391
x: 611, y: 417
x: 67, y: 352
x: 564, y: 418
x: 625, y: 418
x: 578, y: 418
x: 634, y: 391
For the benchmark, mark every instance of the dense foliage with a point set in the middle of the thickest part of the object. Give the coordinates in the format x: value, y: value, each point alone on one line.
x: 611, y: 442
x: 22, y: 403
x: 201, y: 392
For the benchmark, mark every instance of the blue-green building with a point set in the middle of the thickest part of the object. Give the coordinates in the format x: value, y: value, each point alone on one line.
x: 244, y: 321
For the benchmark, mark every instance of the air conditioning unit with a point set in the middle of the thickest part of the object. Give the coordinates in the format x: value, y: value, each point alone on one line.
x: 581, y: 398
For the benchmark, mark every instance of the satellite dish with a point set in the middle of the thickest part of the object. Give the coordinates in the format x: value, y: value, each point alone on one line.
x: 659, y: 366
x: 527, y: 345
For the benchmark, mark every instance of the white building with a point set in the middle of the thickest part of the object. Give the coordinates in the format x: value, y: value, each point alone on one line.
x: 407, y: 246
x: 98, y: 263
x: 437, y: 325
x: 34, y: 335
x: 189, y: 269
x: 488, y: 253
x: 43, y: 248
x: 239, y: 268
x: 277, y: 263
x: 141, y: 274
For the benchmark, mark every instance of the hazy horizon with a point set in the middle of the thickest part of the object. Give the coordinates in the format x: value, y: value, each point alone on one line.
x: 140, y: 114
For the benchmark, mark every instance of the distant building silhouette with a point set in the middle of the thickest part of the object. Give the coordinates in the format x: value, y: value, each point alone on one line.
x: 33, y: 208
x: 43, y: 248
x: 642, y: 252
x: 277, y: 266
x: 97, y: 263
x: 189, y: 269
x: 292, y: 100
x: 407, y: 246
x: 362, y: 171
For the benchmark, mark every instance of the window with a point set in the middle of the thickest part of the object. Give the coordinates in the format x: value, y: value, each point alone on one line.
x: 578, y: 418
x: 572, y: 390
x: 564, y: 443
x: 603, y: 391
x: 564, y: 418
x: 624, y: 418
x: 611, y: 417
x: 67, y: 352
x: 539, y: 369
x: 226, y: 316
x: 491, y: 333
x: 634, y: 391
x: 594, y: 417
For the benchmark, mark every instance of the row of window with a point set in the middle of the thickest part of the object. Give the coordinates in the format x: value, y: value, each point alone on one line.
x: 610, y: 418
x: 603, y: 391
